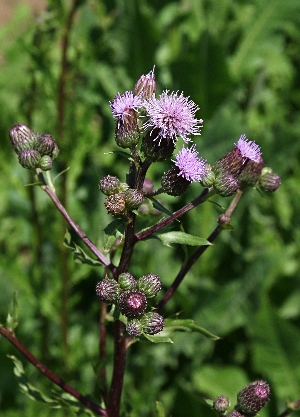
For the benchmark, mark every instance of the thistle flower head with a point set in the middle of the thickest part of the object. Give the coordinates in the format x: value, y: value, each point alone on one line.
x: 248, y: 149
x: 172, y: 115
x: 221, y: 404
x: 122, y: 104
x: 191, y: 167
x: 132, y: 303
x: 152, y: 322
x: 253, y: 398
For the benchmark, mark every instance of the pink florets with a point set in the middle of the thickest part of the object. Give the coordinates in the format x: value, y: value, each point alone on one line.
x: 172, y: 115
x: 191, y: 167
x: 248, y: 149
x: 121, y: 105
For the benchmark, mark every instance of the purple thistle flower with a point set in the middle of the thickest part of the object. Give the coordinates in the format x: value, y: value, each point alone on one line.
x: 172, y: 116
x: 191, y: 167
x: 122, y: 104
x: 248, y: 149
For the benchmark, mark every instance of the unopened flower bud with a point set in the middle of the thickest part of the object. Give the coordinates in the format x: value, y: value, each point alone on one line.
x: 225, y: 184
x: 127, y: 281
x: 22, y: 138
x: 251, y: 173
x: 108, y: 290
x: 221, y: 404
x: 145, y: 87
x: 45, y: 163
x: 134, y: 327
x: 109, y: 185
x: 234, y: 413
x: 174, y: 184
x: 269, y: 181
x: 232, y: 162
x: 115, y: 204
x: 55, y: 151
x: 209, y: 177
x: 132, y: 303
x: 133, y: 198
x: 149, y: 284
x: 44, y: 144
x: 29, y: 158
x: 253, y: 398
x: 148, y: 186
x: 127, y: 131
x: 152, y: 323
x: 156, y: 150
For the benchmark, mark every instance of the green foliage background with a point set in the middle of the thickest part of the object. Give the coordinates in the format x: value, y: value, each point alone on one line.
x: 239, y: 61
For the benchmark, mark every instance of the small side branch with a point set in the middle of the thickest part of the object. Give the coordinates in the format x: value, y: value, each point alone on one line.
x: 106, y: 262
x: 50, y: 375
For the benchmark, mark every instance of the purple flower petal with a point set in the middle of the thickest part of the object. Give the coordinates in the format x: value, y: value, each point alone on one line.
x: 122, y: 103
x: 172, y: 116
x: 191, y: 167
x: 248, y: 149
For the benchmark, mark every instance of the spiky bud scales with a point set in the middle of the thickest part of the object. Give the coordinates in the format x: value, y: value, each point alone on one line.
x: 108, y: 290
x: 132, y: 303
x: 253, y: 398
x: 149, y: 284
x: 152, y: 322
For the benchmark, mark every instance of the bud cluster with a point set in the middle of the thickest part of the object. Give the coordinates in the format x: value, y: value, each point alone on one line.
x: 250, y: 400
x: 120, y: 196
x: 35, y: 150
x: 130, y: 296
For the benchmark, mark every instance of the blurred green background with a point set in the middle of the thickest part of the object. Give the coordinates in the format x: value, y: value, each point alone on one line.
x: 239, y: 61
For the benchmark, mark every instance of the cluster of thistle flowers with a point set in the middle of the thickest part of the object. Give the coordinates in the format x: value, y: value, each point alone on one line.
x: 159, y: 122
x: 130, y: 297
x: 250, y: 400
x: 34, y: 150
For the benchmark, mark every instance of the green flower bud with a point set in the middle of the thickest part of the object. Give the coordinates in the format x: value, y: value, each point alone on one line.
x: 221, y: 404
x: 109, y: 185
x: 145, y: 87
x: 174, y: 184
x: 29, y: 158
x: 225, y: 184
x: 209, y: 177
x: 132, y: 303
x: 108, y: 290
x: 133, y: 198
x: 155, y: 150
x: 149, y: 284
x: 22, y: 138
x: 45, y: 144
x: 134, y: 327
x: 152, y: 323
x: 55, y: 151
x: 127, y: 132
x: 45, y: 163
x: 253, y: 398
x: 269, y: 181
x: 115, y: 204
x: 127, y: 281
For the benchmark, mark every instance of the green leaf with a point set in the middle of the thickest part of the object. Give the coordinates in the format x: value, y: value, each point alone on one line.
x: 160, y: 409
x: 158, y: 339
x: 182, y: 238
x: 115, y: 228
x: 79, y: 254
x: 57, y: 398
x: 12, y: 319
x: 158, y: 206
x: 188, y: 326
x: 123, y: 154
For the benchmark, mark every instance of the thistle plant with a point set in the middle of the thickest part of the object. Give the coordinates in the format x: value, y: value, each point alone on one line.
x: 150, y: 128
